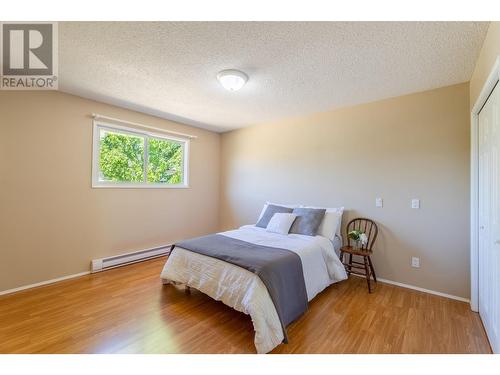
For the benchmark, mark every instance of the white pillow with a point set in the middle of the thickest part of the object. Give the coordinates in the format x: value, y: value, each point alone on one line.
x: 275, y: 204
x: 330, y: 225
x: 281, y: 223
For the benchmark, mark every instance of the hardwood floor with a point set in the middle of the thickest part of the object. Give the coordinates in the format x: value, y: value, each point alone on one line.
x: 127, y: 310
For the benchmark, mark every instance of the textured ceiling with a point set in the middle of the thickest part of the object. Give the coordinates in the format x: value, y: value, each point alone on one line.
x: 168, y: 69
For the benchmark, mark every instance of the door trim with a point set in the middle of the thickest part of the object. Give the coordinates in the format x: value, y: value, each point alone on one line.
x: 488, y: 87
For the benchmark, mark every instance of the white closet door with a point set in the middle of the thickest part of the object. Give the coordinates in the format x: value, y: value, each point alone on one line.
x: 489, y: 217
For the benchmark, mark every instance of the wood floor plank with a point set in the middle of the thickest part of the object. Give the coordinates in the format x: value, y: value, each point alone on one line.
x: 128, y: 310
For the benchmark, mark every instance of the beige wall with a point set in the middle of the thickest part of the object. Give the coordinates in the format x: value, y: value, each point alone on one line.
x: 487, y: 57
x: 415, y: 146
x: 52, y: 223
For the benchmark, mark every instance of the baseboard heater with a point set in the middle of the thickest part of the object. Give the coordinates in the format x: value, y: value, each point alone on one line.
x: 103, y: 264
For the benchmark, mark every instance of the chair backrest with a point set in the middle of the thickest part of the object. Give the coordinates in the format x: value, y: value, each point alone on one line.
x: 364, y: 225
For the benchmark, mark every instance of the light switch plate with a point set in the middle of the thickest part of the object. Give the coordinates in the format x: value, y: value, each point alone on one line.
x: 415, y: 203
x: 379, y: 202
x: 415, y: 262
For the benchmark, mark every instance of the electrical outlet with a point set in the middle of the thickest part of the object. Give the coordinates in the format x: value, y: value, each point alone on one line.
x: 415, y: 262
x: 379, y: 202
x: 415, y: 203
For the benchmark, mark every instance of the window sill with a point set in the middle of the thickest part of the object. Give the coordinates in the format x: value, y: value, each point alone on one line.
x: 137, y: 186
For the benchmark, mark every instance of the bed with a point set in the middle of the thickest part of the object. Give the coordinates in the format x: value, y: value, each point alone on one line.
x: 245, y: 291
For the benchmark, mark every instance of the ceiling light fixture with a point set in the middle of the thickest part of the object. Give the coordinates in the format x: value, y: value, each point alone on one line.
x: 232, y: 79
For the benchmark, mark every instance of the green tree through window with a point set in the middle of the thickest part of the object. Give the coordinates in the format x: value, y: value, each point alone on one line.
x: 122, y: 157
x: 164, y: 161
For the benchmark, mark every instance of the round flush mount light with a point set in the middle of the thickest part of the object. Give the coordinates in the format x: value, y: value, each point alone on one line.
x: 232, y: 79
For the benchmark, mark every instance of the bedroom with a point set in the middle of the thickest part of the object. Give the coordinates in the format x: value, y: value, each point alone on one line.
x: 216, y: 187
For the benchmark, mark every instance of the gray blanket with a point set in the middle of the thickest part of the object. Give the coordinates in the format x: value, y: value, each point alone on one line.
x: 279, y: 269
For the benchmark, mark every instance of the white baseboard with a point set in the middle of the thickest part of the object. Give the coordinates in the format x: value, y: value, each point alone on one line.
x: 41, y: 283
x: 408, y: 286
x: 137, y: 259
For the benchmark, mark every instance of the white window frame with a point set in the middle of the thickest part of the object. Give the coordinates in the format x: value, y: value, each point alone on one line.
x: 96, y: 183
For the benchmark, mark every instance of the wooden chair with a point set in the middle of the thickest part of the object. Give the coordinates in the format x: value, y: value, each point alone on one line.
x: 371, y: 230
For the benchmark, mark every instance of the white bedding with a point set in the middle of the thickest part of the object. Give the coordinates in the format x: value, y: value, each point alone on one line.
x: 243, y: 290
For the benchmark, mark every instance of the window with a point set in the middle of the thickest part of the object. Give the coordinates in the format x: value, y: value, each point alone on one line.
x: 124, y: 157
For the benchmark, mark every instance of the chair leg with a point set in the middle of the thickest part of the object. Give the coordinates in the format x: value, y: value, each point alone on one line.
x: 367, y: 272
x: 373, y: 270
x: 350, y: 265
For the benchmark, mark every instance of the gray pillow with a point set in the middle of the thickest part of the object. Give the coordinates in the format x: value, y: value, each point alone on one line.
x: 270, y: 211
x: 308, y: 220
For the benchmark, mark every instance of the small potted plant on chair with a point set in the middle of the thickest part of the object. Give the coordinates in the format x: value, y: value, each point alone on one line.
x: 360, y: 238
